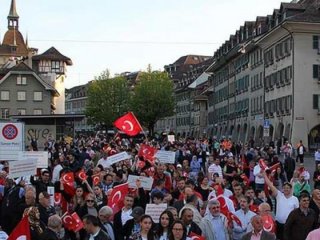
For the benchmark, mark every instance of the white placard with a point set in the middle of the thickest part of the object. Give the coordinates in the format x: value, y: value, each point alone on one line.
x: 40, y: 157
x: 171, y: 138
x: 266, y: 132
x: 11, y: 140
x: 118, y: 157
x: 22, y: 168
x: 50, y: 191
x: 166, y: 156
x: 155, y: 210
x: 146, y: 182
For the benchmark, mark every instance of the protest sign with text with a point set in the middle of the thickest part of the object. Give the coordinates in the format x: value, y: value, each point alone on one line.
x: 146, y: 182
x: 155, y: 210
x: 118, y: 157
x: 166, y: 156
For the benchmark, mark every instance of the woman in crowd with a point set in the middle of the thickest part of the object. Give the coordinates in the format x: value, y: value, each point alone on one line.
x: 178, y: 231
x: 101, y: 198
x: 204, y: 188
x: 146, y: 232
x: 34, y: 221
x: 165, y: 221
x: 78, y: 198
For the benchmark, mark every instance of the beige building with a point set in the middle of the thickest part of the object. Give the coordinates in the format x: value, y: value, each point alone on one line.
x: 265, y: 78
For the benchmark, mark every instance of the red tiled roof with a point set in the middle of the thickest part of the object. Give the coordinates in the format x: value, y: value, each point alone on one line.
x: 8, y: 41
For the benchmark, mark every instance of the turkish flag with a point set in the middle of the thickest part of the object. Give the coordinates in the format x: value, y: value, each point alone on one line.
x: 233, y: 217
x: 95, y: 179
x: 268, y: 223
x: 274, y: 167
x: 223, y: 204
x: 68, y: 222
x: 57, y: 199
x: 218, y: 189
x: 68, y: 183
x: 68, y: 178
x: 129, y: 124
x: 22, y: 230
x: 245, y: 179
x: 230, y: 216
x: 254, y: 208
x: 78, y: 224
x: 195, y: 236
x: 140, y: 164
x: 115, y: 201
x: 244, y: 164
x: 147, y: 152
x: 81, y: 175
x: 262, y: 164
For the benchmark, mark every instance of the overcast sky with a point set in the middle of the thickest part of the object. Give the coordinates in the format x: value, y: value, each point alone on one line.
x: 127, y: 35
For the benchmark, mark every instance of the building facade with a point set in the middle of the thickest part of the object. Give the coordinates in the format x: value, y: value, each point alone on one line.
x: 265, y: 78
x: 183, y: 72
x: 31, y: 84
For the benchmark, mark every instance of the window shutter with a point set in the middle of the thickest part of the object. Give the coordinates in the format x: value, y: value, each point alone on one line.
x: 315, y: 101
x: 315, y: 42
x: 315, y: 71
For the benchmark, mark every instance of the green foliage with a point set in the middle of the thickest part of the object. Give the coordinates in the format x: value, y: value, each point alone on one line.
x: 153, y: 98
x: 107, y: 99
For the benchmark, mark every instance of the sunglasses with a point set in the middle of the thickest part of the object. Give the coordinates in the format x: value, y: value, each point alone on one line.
x: 90, y: 201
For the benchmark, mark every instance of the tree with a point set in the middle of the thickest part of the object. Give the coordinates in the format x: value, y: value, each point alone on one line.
x: 153, y: 98
x: 107, y: 100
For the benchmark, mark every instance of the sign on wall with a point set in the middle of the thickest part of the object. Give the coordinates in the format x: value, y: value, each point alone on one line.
x: 11, y: 140
x: 41, y: 133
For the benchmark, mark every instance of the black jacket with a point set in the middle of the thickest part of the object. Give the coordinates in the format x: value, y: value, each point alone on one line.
x: 48, y: 234
x: 195, y: 229
x: 101, y: 236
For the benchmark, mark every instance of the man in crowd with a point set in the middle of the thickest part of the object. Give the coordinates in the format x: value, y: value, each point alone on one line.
x: 187, y: 219
x: 92, y: 227
x: 215, y: 225
x: 121, y: 217
x: 301, y: 220
x: 245, y: 216
x: 286, y: 202
x: 258, y: 232
x: 52, y: 232
x: 105, y: 214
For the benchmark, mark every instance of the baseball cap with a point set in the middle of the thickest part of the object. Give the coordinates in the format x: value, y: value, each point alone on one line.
x: 179, y: 165
x: 137, y: 212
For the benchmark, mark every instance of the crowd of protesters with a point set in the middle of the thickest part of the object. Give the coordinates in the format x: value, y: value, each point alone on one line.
x: 215, y: 190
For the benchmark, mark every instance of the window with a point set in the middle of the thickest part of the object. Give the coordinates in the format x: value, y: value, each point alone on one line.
x: 21, y: 111
x: 37, y: 111
x: 5, y: 112
x: 316, y: 101
x: 315, y: 42
x: 316, y: 71
x: 55, y: 66
x: 21, y: 96
x: 37, y: 96
x: 5, y: 96
x: 21, y: 80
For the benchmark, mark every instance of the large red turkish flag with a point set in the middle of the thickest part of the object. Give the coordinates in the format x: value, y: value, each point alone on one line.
x: 115, y: 201
x: 129, y: 124
x: 22, y: 230
x: 147, y: 152
x: 68, y: 222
